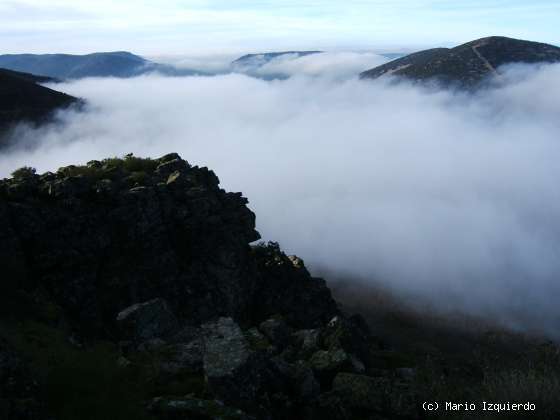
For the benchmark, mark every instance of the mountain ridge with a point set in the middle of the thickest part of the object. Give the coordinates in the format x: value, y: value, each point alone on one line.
x: 467, y: 65
x: 100, y: 64
x: 23, y: 99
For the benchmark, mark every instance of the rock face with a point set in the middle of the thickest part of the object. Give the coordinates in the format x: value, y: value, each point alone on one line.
x: 109, y: 235
x: 144, y: 321
x: 467, y: 65
x: 143, y: 269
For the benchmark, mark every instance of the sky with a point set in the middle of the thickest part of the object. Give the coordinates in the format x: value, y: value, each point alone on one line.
x: 151, y: 27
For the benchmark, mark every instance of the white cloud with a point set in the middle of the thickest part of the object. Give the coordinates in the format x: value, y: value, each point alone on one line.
x: 339, y: 65
x: 445, y: 197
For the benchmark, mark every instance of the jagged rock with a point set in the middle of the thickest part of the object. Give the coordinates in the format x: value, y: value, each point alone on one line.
x: 277, y: 331
x: 327, y: 363
x: 289, y: 290
x: 406, y: 374
x: 178, y: 359
x: 357, y: 365
x: 186, y: 334
x: 359, y: 391
x: 179, y: 408
x: 258, y: 341
x: 233, y: 371
x: 330, y: 361
x: 148, y: 320
x: 299, y: 377
x: 168, y: 167
x: 306, y: 342
x: 186, y: 242
x: 99, y: 238
x: 349, y: 334
x: 225, y: 348
x: 151, y: 345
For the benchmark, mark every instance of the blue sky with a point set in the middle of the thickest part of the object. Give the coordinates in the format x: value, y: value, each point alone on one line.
x: 221, y: 26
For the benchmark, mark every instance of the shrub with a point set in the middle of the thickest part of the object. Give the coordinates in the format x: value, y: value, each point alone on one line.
x: 24, y: 172
x: 131, y: 163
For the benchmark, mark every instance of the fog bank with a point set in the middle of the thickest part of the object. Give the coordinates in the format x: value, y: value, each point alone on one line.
x: 448, y: 198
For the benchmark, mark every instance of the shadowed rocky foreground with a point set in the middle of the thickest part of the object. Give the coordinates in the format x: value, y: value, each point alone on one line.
x: 131, y: 290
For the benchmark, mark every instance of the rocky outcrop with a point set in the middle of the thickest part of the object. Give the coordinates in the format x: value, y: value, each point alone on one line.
x: 154, y: 258
x: 111, y: 234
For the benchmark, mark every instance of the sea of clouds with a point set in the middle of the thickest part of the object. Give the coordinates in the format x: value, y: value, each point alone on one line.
x: 444, y: 197
x: 334, y: 65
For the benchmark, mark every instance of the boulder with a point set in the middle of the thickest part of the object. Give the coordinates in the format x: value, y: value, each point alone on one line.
x: 298, y: 377
x: 144, y: 321
x: 349, y: 334
x: 306, y: 343
x: 277, y: 331
x: 360, y: 391
x: 330, y: 360
x: 170, y: 166
x: 233, y: 371
x: 178, y: 359
x: 258, y: 341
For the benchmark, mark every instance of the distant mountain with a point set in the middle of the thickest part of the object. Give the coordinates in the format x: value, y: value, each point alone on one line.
x: 254, y: 61
x: 469, y: 64
x: 103, y: 64
x: 22, y: 99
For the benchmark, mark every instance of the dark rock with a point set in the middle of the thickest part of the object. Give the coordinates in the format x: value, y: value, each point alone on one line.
x: 177, y: 359
x: 299, y: 378
x: 170, y: 166
x: 327, y: 363
x: 92, y: 240
x: 359, y: 391
x: 233, y: 371
x: 287, y: 288
x: 186, y: 334
x: 306, y: 342
x: 406, y: 374
x: 330, y: 361
x: 225, y: 348
x: 277, y: 331
x: 152, y: 345
x: 145, y: 321
x: 175, y: 408
x: 169, y: 157
x: 19, y: 390
x: 349, y: 334
x: 186, y: 244
x: 257, y: 341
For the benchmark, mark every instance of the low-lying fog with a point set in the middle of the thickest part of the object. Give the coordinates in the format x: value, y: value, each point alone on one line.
x: 449, y: 198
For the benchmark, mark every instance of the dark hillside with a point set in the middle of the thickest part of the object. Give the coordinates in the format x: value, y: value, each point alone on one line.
x: 22, y: 99
x: 467, y: 65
